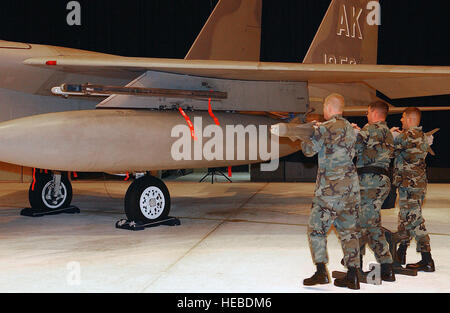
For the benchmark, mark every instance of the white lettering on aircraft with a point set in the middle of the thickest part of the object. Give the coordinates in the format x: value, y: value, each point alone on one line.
x: 333, y: 59
x: 74, y: 16
x: 349, y: 24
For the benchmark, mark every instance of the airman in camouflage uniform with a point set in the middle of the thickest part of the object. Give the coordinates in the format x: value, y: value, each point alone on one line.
x: 374, y: 150
x: 411, y: 149
x: 336, y: 200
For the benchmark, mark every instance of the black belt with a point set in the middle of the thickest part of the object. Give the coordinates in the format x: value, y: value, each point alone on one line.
x: 373, y: 170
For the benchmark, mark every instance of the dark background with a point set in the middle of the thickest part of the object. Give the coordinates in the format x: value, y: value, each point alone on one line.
x: 413, y: 32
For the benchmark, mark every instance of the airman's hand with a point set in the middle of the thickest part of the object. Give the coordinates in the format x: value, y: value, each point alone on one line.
x: 395, y: 132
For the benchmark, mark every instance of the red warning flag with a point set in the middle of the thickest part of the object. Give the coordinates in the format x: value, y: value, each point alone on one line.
x: 188, y: 121
x: 34, y: 179
x: 212, y: 114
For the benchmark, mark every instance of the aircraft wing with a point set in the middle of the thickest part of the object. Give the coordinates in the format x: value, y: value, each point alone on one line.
x: 392, y: 80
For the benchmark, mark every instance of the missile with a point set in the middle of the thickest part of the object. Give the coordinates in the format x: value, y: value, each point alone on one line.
x: 109, y: 140
x: 293, y: 131
x: 103, y: 91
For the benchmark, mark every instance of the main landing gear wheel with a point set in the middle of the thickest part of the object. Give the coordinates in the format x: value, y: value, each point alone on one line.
x: 147, y: 200
x: 50, y: 192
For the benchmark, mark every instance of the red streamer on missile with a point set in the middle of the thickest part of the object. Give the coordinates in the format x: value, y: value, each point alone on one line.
x: 212, y: 114
x: 34, y: 179
x: 128, y: 177
x: 75, y: 175
x: 229, y: 171
x: 188, y: 121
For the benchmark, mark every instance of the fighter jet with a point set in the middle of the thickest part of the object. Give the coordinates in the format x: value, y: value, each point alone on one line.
x: 148, y: 104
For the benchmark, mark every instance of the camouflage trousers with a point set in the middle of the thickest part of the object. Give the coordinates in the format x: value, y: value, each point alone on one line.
x: 411, y: 221
x: 342, y: 212
x: 374, y: 190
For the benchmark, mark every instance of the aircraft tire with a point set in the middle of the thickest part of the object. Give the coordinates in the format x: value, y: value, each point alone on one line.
x: 147, y: 200
x: 40, y: 196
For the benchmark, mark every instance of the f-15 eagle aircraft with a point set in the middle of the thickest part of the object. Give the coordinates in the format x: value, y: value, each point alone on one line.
x: 146, y: 99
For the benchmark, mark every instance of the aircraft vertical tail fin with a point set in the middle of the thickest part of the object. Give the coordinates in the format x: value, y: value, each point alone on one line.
x: 348, y: 34
x: 232, y: 32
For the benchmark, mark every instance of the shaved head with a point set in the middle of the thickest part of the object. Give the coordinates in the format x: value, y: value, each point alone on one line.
x: 411, y: 118
x: 377, y: 112
x: 413, y: 113
x: 381, y: 107
x: 335, y: 102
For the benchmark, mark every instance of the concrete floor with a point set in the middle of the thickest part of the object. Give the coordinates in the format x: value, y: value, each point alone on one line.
x: 239, y: 237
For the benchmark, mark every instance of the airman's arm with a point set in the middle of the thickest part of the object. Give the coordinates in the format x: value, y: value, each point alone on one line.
x: 312, y: 146
x: 400, y: 143
x: 361, y: 141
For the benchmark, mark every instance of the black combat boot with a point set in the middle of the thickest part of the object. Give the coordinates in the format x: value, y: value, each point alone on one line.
x: 425, y: 265
x: 387, y: 272
x: 351, y: 280
x: 401, y: 253
x: 321, y: 277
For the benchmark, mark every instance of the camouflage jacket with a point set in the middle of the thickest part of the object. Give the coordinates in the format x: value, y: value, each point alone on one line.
x: 374, y: 146
x: 334, y: 142
x: 411, y: 149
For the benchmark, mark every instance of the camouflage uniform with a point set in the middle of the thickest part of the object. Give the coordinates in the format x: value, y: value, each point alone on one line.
x: 374, y: 148
x: 411, y: 148
x: 336, y: 200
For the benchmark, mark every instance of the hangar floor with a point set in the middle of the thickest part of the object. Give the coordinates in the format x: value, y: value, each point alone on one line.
x: 239, y: 237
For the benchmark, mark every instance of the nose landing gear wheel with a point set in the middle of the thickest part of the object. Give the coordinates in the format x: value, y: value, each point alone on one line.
x: 147, y: 200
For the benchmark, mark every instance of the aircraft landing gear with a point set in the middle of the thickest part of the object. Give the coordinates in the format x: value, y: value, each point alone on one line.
x: 50, y: 194
x: 147, y: 200
x: 147, y: 204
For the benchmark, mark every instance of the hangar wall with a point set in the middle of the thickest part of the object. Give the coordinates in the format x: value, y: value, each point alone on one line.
x: 14, y: 173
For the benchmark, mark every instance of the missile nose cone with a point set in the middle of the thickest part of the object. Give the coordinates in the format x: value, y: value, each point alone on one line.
x: 17, y: 139
x: 74, y: 140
